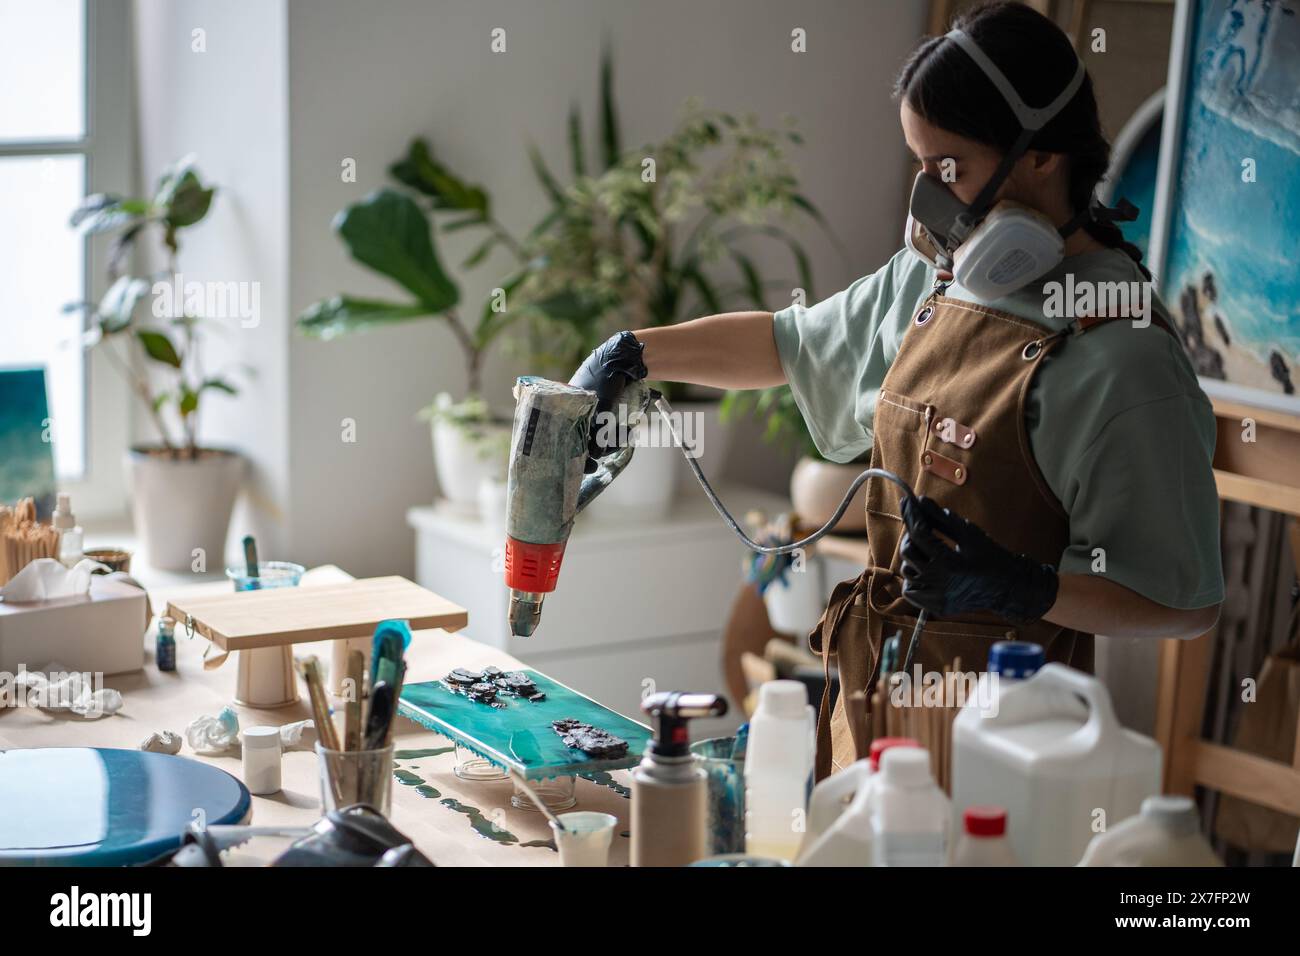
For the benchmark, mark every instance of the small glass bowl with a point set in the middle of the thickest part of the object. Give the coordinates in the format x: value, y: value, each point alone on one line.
x: 270, y: 574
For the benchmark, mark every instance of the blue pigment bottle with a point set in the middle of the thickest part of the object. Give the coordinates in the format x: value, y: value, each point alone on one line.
x: 165, y: 652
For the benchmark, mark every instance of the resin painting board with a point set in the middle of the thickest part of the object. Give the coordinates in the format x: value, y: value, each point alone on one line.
x: 519, y: 736
x: 84, y: 806
x: 240, y: 620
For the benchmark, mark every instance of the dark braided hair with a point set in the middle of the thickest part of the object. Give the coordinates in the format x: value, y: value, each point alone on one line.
x: 945, y: 87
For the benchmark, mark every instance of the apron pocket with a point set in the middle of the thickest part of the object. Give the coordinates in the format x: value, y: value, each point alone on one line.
x: 943, y: 642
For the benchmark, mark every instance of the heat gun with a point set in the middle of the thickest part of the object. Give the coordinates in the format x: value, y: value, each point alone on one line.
x: 547, y: 485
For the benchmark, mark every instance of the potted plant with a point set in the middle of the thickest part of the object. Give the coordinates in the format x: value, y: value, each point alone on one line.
x: 182, y: 492
x: 394, y: 233
x: 663, y: 234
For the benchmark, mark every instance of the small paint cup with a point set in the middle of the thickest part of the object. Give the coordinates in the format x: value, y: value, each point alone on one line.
x: 585, y: 839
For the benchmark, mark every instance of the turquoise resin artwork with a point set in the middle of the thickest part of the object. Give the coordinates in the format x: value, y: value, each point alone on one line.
x: 519, y: 735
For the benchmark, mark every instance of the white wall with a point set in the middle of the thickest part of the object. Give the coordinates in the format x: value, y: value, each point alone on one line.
x: 365, y: 78
x: 228, y: 105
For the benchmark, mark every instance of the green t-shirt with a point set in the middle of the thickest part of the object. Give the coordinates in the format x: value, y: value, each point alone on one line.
x: 1117, y: 422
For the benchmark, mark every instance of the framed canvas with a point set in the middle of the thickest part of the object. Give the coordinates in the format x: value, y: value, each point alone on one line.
x: 26, y: 448
x: 1227, y: 213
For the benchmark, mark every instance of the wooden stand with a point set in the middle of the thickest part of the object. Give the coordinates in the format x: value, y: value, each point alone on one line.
x: 1264, y: 473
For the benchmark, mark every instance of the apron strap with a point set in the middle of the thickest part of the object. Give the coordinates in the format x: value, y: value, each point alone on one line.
x: 840, y: 602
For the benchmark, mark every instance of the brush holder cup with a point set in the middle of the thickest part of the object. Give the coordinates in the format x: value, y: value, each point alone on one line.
x: 356, y: 776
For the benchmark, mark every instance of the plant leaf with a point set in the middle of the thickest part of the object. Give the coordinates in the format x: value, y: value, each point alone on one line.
x: 802, y: 262
x: 103, y: 212
x: 480, y: 253
x: 218, y: 384
x: 458, y: 224
x: 117, y: 307
x: 704, y: 288
x: 189, y: 402
x: 577, y: 161
x: 158, y: 347
x: 422, y: 172
x: 611, y: 148
x: 344, y: 314
x: 490, y: 323
x: 180, y: 197
x: 390, y: 233
x: 753, y: 284
x: 544, y: 176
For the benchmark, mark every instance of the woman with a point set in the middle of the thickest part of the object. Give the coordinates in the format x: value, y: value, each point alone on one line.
x: 1064, y: 461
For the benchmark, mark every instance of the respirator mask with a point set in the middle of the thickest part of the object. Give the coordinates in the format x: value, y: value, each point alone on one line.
x: 991, y: 249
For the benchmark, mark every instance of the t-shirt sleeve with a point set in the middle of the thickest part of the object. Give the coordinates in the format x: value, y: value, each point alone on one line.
x: 1143, y: 507
x: 836, y: 353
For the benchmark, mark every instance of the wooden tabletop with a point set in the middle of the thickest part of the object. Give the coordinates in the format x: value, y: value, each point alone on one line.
x: 442, y: 814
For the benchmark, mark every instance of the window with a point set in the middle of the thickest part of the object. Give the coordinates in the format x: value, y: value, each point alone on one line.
x: 63, y: 72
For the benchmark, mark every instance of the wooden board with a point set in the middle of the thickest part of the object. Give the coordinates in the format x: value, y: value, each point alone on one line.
x: 519, y: 735
x: 237, y: 621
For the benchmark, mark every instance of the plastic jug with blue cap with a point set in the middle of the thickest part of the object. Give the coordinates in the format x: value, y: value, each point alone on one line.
x: 1050, y: 749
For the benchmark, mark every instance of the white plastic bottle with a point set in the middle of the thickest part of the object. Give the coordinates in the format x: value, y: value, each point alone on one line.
x: 778, y: 763
x: 71, y: 538
x: 909, y: 812
x: 1056, y: 756
x: 1166, y: 833
x: 984, y: 839
x: 839, y: 834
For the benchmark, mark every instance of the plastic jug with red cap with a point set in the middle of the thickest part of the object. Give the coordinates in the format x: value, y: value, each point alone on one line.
x: 839, y: 817
x: 984, y: 839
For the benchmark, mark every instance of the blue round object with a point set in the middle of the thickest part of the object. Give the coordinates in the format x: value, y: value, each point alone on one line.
x: 83, y: 806
x: 1015, y: 659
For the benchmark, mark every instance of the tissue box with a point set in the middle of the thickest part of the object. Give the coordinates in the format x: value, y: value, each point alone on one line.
x: 101, y: 632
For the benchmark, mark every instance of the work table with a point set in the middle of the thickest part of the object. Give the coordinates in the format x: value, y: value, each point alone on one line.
x: 444, y: 824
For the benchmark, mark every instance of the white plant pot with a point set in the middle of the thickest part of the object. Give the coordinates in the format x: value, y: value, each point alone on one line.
x: 644, y: 492
x: 795, y: 606
x: 702, y: 427
x: 461, y: 463
x: 180, y: 505
x: 816, y: 489
x: 492, y: 506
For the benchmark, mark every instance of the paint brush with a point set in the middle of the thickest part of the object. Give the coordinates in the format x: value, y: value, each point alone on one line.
x: 352, y: 709
x: 531, y: 794
x: 251, y: 567
x: 319, y: 707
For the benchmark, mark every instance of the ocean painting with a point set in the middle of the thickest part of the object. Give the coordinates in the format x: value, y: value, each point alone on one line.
x: 26, y: 455
x: 1230, y: 275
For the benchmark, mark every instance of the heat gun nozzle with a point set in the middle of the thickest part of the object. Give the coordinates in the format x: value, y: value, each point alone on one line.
x: 525, y: 612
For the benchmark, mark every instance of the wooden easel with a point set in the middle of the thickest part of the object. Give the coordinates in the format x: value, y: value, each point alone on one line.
x: 1264, y: 473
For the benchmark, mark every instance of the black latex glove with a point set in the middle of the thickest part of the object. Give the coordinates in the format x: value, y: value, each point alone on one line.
x: 978, y: 574
x: 607, y: 371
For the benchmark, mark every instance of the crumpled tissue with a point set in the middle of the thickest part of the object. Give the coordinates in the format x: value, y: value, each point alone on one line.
x: 300, y: 735
x: 45, y: 578
x: 162, y: 742
x: 210, y: 735
x: 56, y: 687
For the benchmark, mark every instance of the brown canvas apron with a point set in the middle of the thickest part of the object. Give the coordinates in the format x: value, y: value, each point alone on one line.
x: 949, y: 420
